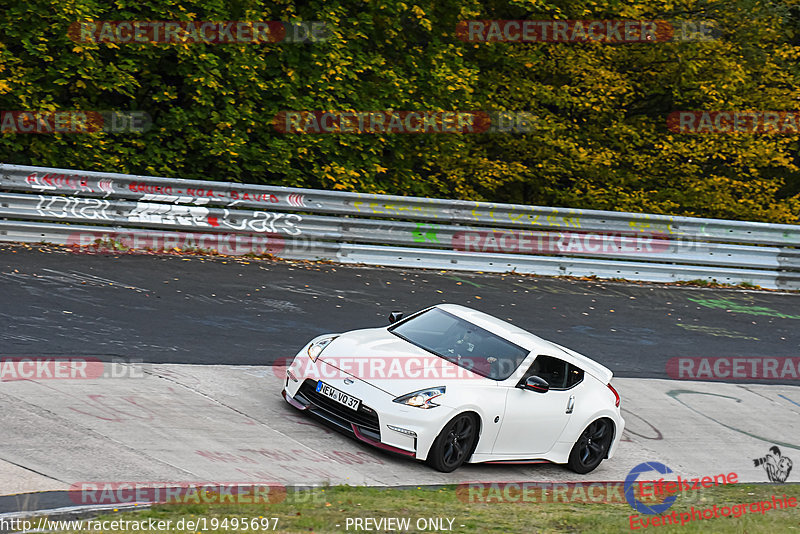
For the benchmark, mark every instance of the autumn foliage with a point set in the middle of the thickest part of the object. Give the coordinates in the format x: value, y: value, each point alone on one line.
x: 600, y: 138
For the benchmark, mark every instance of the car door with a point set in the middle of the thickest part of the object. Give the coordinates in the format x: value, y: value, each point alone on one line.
x: 534, y: 421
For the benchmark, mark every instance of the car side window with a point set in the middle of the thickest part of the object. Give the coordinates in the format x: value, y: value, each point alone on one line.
x: 558, y: 373
x: 574, y: 375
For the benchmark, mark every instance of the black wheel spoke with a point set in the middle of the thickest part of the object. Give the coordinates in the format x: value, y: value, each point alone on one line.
x: 463, y: 427
x: 448, y: 452
x: 593, y: 443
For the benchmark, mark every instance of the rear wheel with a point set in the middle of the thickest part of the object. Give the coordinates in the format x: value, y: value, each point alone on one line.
x: 455, y: 443
x: 592, y: 446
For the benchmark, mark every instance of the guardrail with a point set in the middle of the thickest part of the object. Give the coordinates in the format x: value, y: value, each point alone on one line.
x: 140, y: 212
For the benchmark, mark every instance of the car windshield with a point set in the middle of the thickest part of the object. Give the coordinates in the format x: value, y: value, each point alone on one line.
x: 463, y: 343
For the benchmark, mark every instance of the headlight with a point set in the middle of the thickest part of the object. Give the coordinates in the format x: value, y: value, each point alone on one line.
x: 422, y: 399
x: 316, y: 348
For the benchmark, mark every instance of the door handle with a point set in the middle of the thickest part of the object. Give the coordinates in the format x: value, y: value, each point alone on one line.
x: 570, y: 403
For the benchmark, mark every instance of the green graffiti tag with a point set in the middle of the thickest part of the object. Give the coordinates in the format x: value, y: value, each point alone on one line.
x: 676, y: 393
x: 457, y: 279
x: 425, y: 233
x: 729, y: 305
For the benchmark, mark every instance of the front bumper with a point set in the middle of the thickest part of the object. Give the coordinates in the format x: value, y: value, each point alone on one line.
x: 364, y: 425
x: 379, y: 421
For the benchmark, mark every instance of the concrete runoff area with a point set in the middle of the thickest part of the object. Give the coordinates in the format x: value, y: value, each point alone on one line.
x: 193, y: 423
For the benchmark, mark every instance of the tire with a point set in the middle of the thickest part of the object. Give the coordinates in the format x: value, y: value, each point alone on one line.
x: 592, y: 446
x: 454, y: 445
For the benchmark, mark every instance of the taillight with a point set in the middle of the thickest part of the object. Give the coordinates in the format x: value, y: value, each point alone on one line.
x: 614, y: 391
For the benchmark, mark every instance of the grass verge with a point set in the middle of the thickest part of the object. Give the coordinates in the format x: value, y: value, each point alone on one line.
x: 446, y: 510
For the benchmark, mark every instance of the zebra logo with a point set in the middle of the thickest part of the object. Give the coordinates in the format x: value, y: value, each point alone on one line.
x: 296, y: 200
x: 106, y: 185
x: 777, y: 467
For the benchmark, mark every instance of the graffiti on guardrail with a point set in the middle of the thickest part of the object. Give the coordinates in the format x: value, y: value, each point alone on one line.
x: 567, y: 218
x: 399, y: 210
x: 157, y: 190
x: 166, y: 193
x: 579, y: 242
x: 84, y: 208
x: 425, y: 233
x: 53, y: 181
x: 151, y: 213
x: 147, y: 212
x: 260, y: 221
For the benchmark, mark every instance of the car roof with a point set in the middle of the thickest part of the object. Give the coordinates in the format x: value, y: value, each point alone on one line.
x: 526, y: 340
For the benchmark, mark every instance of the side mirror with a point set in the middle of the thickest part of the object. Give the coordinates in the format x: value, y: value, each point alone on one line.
x: 537, y: 384
x: 395, y: 316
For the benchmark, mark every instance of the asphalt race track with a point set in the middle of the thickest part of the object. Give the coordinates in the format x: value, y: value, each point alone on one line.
x: 207, y: 404
x: 171, y: 309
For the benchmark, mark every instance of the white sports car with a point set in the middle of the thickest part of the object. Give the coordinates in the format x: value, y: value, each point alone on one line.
x: 450, y: 385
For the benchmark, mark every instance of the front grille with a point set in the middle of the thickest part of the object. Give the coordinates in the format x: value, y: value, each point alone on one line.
x: 365, y: 417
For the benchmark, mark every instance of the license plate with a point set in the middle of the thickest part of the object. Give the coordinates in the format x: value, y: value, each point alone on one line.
x: 339, y: 396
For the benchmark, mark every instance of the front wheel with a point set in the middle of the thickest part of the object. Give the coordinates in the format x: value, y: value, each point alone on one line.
x: 454, y: 444
x: 592, y: 446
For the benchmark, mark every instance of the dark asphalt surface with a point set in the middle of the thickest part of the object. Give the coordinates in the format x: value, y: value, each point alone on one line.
x: 189, y: 309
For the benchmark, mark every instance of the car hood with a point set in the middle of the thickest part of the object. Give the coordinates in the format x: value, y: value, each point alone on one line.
x: 390, y: 363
